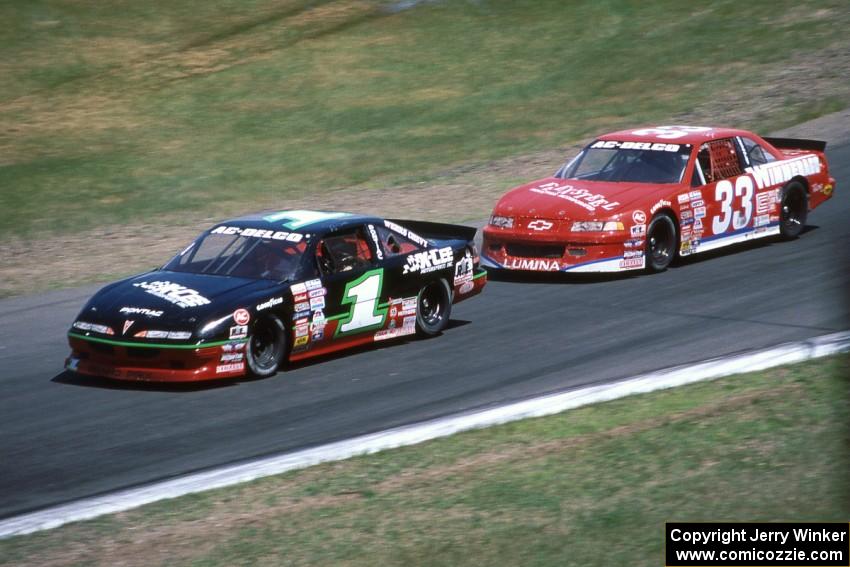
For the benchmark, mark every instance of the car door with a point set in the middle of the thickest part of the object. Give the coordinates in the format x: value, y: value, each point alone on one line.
x: 727, y: 196
x: 357, y: 290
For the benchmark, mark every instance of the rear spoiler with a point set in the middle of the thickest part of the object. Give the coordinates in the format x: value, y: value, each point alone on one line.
x: 438, y: 230
x: 796, y: 144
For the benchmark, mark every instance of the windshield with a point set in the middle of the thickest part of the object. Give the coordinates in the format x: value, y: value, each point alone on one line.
x: 636, y: 162
x: 242, y: 252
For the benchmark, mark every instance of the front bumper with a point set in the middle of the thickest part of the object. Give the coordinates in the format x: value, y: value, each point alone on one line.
x: 138, y: 362
x: 584, y: 252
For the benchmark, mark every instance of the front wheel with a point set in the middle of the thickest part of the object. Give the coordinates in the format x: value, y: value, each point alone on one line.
x: 793, y: 211
x: 661, y: 241
x: 266, y: 347
x: 433, y: 308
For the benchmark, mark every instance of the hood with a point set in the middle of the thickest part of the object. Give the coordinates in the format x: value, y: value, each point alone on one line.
x: 171, y: 300
x: 574, y: 199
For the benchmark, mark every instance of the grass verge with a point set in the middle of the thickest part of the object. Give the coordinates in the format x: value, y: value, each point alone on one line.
x: 119, y: 112
x: 126, y: 127
x: 589, y: 487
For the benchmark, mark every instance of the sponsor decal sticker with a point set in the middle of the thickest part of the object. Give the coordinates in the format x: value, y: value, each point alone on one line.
x: 127, y: 325
x: 258, y: 233
x: 313, y: 284
x: 301, y: 341
x: 538, y: 265
x: 241, y: 316
x: 699, y: 212
x: 655, y: 147
x: 695, y: 195
x: 779, y: 172
x: 235, y: 367
x: 317, y: 292
x: 238, y: 331
x: 765, y: 201
x: 317, y: 303
x: 633, y: 262
x: 298, y: 289
x: 232, y: 357
x: 270, y: 303
x: 540, y: 224
x: 174, y: 293
x: 464, y: 269
x: 580, y: 197
x: 639, y: 217
x: 761, y: 220
x: 638, y: 230
x: 140, y: 311
x: 429, y: 260
x: 406, y: 233
x: 658, y: 205
x: 683, y: 198
x: 466, y: 287
x: 688, y: 247
x: 373, y: 233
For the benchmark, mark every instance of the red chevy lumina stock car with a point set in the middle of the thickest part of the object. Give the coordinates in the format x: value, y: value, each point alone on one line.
x: 636, y: 199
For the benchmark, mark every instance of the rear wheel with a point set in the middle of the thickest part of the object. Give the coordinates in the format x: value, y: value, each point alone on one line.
x: 266, y: 347
x: 662, y: 238
x: 793, y: 210
x: 433, y: 308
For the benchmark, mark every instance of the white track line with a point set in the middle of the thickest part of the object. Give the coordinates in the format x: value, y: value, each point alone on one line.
x: 88, y: 508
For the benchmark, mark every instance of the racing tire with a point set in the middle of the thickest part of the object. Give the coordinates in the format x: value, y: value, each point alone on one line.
x: 266, y: 347
x: 662, y: 243
x: 433, y: 308
x: 793, y: 210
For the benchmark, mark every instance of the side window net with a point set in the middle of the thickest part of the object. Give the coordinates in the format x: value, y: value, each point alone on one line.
x: 719, y: 160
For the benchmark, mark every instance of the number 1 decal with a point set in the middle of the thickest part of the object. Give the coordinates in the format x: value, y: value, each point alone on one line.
x: 363, y: 294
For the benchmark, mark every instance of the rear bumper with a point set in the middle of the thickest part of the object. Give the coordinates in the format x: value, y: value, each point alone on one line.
x: 510, y: 251
x: 115, y: 360
x: 464, y: 288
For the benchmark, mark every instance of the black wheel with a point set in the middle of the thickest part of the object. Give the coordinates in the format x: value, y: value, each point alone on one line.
x: 266, y: 347
x: 433, y: 308
x: 793, y: 210
x: 662, y: 239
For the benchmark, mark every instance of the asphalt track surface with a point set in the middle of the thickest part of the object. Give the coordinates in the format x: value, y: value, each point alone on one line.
x: 64, y: 437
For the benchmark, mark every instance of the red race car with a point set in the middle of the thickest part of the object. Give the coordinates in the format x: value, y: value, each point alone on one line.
x: 638, y: 198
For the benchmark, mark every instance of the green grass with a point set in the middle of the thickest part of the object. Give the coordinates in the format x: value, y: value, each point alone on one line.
x: 593, y: 486
x: 127, y: 112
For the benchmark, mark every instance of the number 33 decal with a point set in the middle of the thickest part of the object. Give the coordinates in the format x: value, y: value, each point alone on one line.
x: 725, y: 193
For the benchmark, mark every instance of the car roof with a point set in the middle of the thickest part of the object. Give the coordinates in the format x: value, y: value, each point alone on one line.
x: 304, y: 221
x: 690, y: 134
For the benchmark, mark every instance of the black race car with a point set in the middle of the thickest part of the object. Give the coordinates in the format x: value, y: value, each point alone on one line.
x: 253, y: 292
